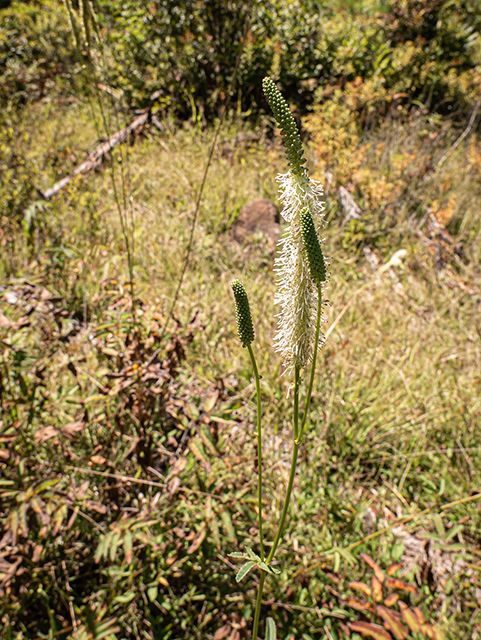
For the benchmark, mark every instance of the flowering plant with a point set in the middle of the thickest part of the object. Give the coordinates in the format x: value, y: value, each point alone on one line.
x: 301, y: 277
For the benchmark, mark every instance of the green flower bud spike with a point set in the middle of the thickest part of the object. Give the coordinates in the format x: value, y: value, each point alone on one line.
x: 287, y: 125
x: 243, y: 313
x: 315, y: 258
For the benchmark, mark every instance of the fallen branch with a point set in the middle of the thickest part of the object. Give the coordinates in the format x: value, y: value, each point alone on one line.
x: 94, y: 158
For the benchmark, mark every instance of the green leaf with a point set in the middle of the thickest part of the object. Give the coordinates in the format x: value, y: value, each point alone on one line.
x: 337, y: 561
x: 238, y: 554
x: 271, y: 629
x: 128, y: 547
x: 244, y: 570
x: 46, y: 484
x: 347, y: 555
x: 106, y: 629
x: 152, y: 593
x: 454, y: 531
x: 125, y: 598
x: 252, y: 555
x: 273, y: 570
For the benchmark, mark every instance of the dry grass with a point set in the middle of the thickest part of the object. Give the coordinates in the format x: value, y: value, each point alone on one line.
x: 397, y: 400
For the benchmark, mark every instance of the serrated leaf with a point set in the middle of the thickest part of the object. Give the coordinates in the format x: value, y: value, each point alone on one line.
x: 271, y: 633
x: 244, y: 570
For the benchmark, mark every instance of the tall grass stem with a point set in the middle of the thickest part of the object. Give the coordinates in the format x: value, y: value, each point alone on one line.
x: 206, y: 170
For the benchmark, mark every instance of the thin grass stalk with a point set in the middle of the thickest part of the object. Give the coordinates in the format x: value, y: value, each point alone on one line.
x: 86, y: 14
x: 206, y: 170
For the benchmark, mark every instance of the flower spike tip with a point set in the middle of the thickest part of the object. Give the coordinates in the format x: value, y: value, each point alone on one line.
x: 243, y: 313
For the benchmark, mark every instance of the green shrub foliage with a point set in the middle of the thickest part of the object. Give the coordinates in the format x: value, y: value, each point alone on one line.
x: 181, y: 55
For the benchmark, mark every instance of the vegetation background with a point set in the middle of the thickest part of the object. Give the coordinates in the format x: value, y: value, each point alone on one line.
x: 127, y: 456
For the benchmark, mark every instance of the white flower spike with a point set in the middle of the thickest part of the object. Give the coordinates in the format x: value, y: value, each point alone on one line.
x: 297, y: 294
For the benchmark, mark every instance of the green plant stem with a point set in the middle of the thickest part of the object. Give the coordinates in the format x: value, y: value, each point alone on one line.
x: 292, y: 474
x: 313, y: 367
x: 296, y: 402
x: 259, y: 448
x: 257, y: 614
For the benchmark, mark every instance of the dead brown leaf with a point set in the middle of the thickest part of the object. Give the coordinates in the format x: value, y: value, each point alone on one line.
x: 223, y: 632
x: 391, y: 599
x: 395, y: 583
x: 378, y: 572
x: 95, y: 506
x: 37, y: 552
x: 4, y: 322
x: 391, y: 570
x: 360, y: 586
x: 173, y: 485
x: 359, y: 605
x: 410, y: 618
x: 198, y: 539
x: 71, y: 428
x: 44, y: 434
x: 369, y: 630
x: 392, y: 621
x: 211, y: 399
x: 376, y: 589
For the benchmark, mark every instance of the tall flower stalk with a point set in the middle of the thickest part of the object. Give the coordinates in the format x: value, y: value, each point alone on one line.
x: 300, y: 275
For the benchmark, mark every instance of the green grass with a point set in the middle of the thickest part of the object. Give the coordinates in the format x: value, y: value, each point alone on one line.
x: 393, y: 422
